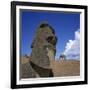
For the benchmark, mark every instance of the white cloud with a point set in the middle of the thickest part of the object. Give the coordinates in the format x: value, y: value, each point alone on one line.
x: 72, y: 48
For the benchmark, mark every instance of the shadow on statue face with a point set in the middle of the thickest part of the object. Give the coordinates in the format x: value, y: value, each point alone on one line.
x: 52, y: 40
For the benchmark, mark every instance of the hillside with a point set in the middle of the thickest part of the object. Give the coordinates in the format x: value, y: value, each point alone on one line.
x: 66, y: 68
x: 59, y: 68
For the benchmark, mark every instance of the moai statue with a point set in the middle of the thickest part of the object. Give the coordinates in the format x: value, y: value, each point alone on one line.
x: 62, y: 57
x: 43, y: 50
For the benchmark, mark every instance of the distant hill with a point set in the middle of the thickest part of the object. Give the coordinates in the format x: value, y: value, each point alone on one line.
x: 59, y: 67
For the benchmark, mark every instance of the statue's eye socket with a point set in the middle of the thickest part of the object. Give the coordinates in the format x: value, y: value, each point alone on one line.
x: 49, y: 38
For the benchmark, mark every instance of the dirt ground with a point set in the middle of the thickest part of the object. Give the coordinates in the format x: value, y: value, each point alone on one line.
x: 66, y: 68
x: 60, y: 67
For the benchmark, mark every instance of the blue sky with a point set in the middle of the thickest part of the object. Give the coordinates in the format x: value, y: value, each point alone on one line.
x: 65, y: 25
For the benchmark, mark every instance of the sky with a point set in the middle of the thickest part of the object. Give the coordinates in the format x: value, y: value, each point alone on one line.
x: 66, y: 26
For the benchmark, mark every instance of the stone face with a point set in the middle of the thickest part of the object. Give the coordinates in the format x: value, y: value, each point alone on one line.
x: 44, y: 41
x: 43, y: 49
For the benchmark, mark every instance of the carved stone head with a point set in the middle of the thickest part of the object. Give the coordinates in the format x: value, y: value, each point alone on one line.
x: 43, y: 46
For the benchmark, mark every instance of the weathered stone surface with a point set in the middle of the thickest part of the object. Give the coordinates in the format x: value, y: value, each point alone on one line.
x: 44, y: 41
x: 43, y: 50
x: 27, y: 71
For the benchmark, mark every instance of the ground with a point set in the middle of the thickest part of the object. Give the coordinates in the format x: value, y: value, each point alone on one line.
x: 59, y: 67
